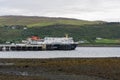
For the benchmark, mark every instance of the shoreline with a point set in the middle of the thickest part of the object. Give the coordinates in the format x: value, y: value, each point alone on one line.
x: 61, y: 69
x: 98, y: 45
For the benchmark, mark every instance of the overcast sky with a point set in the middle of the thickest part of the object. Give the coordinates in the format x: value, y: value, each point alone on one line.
x: 107, y: 10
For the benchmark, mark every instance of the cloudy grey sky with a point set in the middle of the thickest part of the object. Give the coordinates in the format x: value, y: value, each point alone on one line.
x: 108, y: 10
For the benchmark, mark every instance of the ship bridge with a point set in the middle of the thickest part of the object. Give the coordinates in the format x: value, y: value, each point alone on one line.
x: 62, y: 40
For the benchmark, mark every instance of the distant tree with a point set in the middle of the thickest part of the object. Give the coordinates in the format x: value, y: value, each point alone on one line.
x: 2, y: 41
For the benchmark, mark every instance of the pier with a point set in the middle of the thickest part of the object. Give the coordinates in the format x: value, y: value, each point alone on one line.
x: 21, y: 47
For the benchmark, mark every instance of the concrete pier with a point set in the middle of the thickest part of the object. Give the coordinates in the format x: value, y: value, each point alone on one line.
x: 21, y: 47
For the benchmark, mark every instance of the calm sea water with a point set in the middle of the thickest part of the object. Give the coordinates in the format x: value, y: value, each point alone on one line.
x: 80, y: 52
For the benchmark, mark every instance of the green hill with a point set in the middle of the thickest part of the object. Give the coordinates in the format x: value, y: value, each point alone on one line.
x: 16, y: 28
x: 42, y: 21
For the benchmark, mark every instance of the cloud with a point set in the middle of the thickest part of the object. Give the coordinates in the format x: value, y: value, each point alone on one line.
x: 4, y: 11
x: 108, y: 10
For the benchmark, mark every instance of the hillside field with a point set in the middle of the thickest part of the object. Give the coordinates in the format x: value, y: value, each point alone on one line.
x: 17, y: 28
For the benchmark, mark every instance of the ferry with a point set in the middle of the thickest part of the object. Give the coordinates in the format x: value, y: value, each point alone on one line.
x: 34, y: 43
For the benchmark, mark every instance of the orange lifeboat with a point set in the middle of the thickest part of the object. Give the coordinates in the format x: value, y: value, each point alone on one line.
x: 36, y: 38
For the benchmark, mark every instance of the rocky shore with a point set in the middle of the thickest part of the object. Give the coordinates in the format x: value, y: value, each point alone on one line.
x: 60, y: 69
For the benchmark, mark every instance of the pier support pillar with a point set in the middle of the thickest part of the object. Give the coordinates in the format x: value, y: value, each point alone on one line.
x: 44, y: 47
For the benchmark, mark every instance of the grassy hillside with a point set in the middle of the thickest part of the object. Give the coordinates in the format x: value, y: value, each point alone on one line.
x: 16, y: 28
x: 41, y: 21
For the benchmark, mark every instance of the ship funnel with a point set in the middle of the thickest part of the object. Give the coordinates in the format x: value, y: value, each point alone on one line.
x: 66, y: 35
